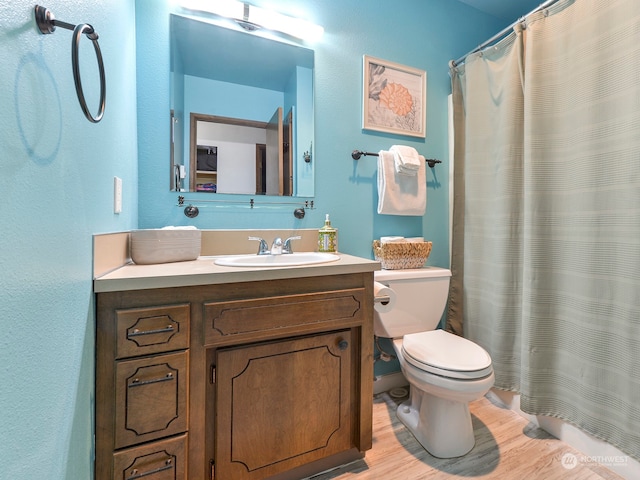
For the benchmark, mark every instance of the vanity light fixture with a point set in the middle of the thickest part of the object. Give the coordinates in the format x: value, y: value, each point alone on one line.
x: 253, y: 18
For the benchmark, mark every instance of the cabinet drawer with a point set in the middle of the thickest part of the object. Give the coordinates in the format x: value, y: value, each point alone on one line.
x: 151, y: 398
x: 142, y: 331
x: 225, y: 319
x: 162, y: 460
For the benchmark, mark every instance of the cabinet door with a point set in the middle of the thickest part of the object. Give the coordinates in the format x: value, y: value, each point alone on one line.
x: 281, y: 405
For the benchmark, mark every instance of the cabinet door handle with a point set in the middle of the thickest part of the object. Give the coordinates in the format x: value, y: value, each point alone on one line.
x: 138, y: 333
x: 135, y: 473
x: 136, y: 382
x: 343, y: 345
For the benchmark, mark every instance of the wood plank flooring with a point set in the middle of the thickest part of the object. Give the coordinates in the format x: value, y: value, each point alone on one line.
x: 508, y: 447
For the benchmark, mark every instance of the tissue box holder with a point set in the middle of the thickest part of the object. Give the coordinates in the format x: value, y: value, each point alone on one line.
x: 148, y: 247
x: 397, y: 256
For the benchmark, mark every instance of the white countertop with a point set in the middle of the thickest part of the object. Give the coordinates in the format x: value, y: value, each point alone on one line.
x: 203, y: 271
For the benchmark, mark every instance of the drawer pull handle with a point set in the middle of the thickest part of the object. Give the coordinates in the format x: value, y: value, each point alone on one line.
x: 343, y: 345
x: 138, y: 333
x: 136, y: 474
x: 136, y: 382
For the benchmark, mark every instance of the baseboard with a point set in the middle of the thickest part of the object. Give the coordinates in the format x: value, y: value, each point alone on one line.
x: 592, y: 449
x: 384, y: 383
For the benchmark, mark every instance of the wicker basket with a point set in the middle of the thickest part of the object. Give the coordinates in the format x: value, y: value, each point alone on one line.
x: 396, y: 256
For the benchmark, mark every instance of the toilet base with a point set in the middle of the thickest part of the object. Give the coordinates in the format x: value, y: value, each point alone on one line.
x: 443, y: 427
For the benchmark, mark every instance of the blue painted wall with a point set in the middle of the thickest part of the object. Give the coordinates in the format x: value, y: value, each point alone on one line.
x: 57, y: 191
x: 58, y: 169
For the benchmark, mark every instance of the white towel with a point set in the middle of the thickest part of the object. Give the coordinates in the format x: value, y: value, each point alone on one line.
x: 400, y: 194
x: 393, y: 240
x: 407, y: 160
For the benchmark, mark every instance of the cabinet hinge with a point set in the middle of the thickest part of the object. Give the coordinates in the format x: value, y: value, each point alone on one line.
x: 212, y: 377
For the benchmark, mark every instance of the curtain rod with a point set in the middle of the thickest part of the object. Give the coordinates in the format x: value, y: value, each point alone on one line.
x: 503, y: 32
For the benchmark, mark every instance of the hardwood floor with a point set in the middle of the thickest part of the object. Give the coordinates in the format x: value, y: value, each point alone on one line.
x: 507, y: 447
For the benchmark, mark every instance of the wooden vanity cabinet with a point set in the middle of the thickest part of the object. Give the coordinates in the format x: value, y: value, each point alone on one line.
x: 274, y: 379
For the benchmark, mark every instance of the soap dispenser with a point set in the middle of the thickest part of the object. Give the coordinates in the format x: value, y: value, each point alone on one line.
x: 327, y: 237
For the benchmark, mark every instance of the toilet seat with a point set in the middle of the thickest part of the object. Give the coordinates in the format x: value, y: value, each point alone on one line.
x: 446, y: 354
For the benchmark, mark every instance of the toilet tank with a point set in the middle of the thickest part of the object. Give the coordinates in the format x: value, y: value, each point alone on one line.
x: 420, y: 298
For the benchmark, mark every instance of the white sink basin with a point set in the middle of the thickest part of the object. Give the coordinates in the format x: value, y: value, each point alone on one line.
x: 284, y: 260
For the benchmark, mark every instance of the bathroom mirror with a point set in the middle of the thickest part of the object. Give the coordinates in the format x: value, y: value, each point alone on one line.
x: 241, y: 111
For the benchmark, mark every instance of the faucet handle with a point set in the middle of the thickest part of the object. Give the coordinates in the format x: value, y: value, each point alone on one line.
x: 286, y: 248
x: 263, y: 249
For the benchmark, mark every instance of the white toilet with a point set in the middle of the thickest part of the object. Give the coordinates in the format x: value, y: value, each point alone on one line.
x: 445, y: 371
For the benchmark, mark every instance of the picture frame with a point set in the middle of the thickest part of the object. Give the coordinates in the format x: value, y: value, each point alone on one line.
x: 394, y: 98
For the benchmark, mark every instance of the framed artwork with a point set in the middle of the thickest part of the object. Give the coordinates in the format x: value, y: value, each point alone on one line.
x: 394, y: 98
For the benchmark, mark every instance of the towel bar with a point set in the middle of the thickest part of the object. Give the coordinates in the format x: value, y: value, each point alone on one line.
x: 356, y: 154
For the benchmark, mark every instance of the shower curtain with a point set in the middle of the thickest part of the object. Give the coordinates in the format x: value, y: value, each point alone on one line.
x: 546, y: 240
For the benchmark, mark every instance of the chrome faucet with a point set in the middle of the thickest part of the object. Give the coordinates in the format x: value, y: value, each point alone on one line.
x: 277, y: 248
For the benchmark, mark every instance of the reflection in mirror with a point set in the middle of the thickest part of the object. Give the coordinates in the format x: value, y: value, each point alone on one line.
x: 230, y: 155
x: 242, y: 112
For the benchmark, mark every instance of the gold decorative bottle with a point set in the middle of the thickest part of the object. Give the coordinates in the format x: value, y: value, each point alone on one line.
x: 327, y: 237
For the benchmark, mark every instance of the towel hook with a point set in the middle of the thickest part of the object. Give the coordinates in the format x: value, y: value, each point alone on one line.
x: 47, y: 24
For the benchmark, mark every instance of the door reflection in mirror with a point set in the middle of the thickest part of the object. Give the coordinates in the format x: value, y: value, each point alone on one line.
x: 230, y: 155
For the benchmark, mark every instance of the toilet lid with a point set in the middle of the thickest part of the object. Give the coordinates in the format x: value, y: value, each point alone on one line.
x: 446, y: 354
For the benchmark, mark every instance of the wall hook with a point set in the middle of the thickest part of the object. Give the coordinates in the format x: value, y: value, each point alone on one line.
x: 308, y: 154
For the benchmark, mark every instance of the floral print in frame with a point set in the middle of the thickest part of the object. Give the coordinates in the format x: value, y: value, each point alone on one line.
x: 394, y: 98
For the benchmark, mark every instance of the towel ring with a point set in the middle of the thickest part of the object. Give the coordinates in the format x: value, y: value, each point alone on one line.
x: 47, y: 23
x: 90, y: 33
